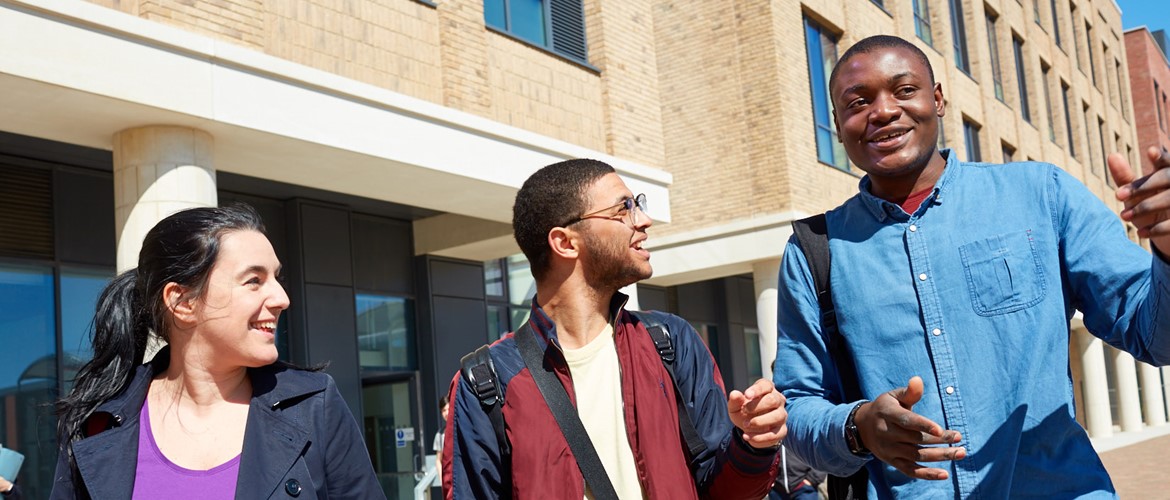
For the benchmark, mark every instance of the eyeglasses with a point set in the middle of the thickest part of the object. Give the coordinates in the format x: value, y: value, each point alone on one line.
x: 626, y: 214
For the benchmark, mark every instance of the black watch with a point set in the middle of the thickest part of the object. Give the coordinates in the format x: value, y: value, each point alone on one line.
x: 853, y: 435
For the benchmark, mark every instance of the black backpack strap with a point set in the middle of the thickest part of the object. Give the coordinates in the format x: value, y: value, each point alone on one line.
x: 813, y: 235
x: 661, y: 336
x: 566, y: 414
x: 479, y: 373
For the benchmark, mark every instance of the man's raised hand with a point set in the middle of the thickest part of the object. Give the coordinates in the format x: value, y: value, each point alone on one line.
x: 759, y: 412
x: 1146, y: 199
x: 899, y: 437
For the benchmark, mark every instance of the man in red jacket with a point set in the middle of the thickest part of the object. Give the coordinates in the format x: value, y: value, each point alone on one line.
x: 583, y: 231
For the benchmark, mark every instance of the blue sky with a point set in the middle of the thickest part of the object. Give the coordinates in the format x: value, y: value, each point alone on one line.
x: 1151, y: 13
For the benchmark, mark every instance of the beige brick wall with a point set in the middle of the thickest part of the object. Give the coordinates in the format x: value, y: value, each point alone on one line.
x: 736, y: 99
x: 445, y: 54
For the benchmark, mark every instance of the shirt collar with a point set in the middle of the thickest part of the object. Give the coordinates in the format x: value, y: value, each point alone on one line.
x: 882, y: 209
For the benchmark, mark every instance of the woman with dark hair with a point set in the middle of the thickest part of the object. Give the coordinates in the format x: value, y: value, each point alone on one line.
x: 214, y: 414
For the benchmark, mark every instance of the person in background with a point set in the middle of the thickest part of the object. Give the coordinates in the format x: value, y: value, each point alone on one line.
x: 214, y: 412
x: 9, y: 490
x: 444, y: 407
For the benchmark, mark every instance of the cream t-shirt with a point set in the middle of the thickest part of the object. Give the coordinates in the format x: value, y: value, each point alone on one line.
x: 597, y: 381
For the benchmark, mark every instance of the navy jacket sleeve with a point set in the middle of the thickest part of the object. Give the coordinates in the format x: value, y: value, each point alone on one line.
x: 730, y: 468
x: 472, y: 465
x: 348, y: 471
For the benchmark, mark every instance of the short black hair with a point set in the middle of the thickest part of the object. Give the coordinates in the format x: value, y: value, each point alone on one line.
x: 551, y: 197
x: 870, y: 44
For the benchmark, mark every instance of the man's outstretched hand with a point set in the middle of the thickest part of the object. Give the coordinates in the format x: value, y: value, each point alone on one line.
x: 759, y: 412
x: 899, y: 437
x: 1146, y: 199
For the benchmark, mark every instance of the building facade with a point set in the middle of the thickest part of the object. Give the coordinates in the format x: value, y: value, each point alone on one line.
x: 383, y: 142
x: 752, y: 146
x: 1149, y: 74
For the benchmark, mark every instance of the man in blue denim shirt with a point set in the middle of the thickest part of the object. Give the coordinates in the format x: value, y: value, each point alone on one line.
x: 953, y: 284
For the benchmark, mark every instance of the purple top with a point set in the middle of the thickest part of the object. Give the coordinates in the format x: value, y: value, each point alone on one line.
x: 158, y: 477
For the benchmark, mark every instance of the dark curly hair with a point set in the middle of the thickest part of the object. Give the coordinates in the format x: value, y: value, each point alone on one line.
x: 551, y: 197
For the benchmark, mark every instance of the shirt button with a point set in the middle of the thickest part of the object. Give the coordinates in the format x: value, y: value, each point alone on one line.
x: 922, y: 277
x: 936, y: 332
x: 950, y: 390
x: 913, y: 228
x: 292, y: 487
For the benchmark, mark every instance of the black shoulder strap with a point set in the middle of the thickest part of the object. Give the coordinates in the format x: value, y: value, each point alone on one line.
x: 813, y: 235
x: 479, y: 372
x: 661, y: 336
x: 566, y: 414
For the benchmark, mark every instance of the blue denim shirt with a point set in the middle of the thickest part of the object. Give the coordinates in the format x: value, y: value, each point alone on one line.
x: 973, y: 292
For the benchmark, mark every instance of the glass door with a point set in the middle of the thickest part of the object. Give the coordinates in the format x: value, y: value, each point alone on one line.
x: 393, y: 436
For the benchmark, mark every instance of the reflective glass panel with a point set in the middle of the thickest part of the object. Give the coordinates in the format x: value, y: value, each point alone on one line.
x: 527, y: 20
x: 28, y: 373
x: 385, y: 329
x: 493, y: 14
x: 79, y: 293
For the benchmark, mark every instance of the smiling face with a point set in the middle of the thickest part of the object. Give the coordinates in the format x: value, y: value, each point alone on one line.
x: 887, y: 114
x: 237, y: 315
x: 612, y: 256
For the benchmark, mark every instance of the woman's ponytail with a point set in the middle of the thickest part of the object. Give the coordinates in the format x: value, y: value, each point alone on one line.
x: 119, y: 344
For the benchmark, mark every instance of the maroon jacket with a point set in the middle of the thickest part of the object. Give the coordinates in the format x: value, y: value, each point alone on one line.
x: 541, y: 466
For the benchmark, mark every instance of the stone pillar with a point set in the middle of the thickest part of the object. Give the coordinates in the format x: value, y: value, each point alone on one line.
x: 1129, y: 406
x: 1166, y: 387
x: 1152, y: 406
x: 632, y: 291
x: 766, y: 277
x: 1098, y: 419
x: 158, y: 170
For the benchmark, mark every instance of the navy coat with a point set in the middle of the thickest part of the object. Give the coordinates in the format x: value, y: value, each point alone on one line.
x: 301, y: 441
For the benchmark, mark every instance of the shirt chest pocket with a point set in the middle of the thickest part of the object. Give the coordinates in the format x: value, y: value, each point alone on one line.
x: 1003, y: 273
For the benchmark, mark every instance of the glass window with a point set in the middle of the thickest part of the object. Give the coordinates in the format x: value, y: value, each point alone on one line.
x: 1089, y: 47
x: 1104, y: 152
x: 79, y: 294
x: 1055, y: 24
x: 1088, y: 135
x: 1072, y: 9
x: 1009, y: 153
x: 1036, y: 12
x: 959, y: 36
x: 1021, y: 79
x: 755, y: 369
x: 1068, y: 119
x: 993, y: 47
x: 385, y: 329
x: 822, y: 55
x: 971, y: 137
x: 1045, y: 70
x: 1158, y: 92
x: 922, y: 21
x: 556, y: 25
x: 28, y: 374
x: 493, y: 278
x: 522, y: 18
x: 521, y: 284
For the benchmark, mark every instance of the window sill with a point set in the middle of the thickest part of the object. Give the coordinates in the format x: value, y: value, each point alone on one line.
x: 548, y: 50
